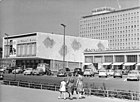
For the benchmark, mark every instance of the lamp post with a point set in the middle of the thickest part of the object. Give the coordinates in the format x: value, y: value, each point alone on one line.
x: 63, y: 46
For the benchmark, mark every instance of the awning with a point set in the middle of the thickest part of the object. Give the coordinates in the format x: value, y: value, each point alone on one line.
x: 129, y: 64
x: 138, y: 64
x: 106, y: 63
x: 87, y: 63
x: 117, y: 63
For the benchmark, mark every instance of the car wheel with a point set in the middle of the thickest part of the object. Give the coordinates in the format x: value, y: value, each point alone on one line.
x: 114, y: 77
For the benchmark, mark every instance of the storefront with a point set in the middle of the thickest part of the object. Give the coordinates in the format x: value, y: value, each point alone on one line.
x: 117, y: 66
x: 129, y: 60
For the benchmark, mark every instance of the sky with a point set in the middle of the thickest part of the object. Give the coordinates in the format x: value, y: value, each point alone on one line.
x: 26, y: 16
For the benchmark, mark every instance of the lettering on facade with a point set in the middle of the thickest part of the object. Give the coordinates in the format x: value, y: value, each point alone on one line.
x: 100, y: 46
x: 27, y: 40
x: 92, y: 50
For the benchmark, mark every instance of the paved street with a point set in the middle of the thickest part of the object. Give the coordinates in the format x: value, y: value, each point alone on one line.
x: 20, y: 94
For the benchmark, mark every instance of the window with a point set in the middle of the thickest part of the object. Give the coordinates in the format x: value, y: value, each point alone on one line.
x: 131, y: 58
x: 88, y: 59
x: 28, y: 49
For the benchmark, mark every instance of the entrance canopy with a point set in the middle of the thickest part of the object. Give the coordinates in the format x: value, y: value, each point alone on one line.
x: 119, y: 63
x: 129, y: 64
x: 106, y: 63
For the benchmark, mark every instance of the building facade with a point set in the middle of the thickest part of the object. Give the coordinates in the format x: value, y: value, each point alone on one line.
x: 28, y: 50
x: 122, y: 30
x: 120, y: 27
x: 115, y: 59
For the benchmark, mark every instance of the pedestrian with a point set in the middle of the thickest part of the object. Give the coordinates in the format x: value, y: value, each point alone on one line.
x: 70, y: 85
x: 79, y: 86
x: 62, y: 89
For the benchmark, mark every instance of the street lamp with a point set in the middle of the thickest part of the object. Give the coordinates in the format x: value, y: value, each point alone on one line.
x: 63, y: 45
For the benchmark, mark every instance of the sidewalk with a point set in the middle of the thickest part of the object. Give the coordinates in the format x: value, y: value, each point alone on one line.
x: 20, y: 94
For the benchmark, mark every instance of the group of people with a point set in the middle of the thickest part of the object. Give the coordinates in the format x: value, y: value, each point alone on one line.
x: 70, y: 85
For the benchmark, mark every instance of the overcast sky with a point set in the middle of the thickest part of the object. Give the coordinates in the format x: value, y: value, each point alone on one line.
x: 25, y: 16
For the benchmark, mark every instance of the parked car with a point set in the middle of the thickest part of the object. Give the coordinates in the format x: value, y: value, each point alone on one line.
x: 103, y: 73
x: 88, y: 72
x: 117, y: 73
x: 110, y: 72
x: 133, y: 75
x: 38, y: 72
x: 63, y: 72
x: 1, y: 75
x: 28, y: 71
x: 17, y: 70
x: 77, y: 71
x: 9, y: 70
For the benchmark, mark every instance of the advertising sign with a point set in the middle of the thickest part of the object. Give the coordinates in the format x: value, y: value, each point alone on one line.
x: 13, y: 49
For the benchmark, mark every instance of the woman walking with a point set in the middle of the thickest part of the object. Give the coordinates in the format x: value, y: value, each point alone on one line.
x: 70, y: 85
x: 79, y: 85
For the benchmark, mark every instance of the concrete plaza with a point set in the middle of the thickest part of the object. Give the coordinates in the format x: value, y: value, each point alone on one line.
x: 21, y: 94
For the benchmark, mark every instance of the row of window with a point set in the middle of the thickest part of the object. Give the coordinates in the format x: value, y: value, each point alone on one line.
x: 130, y: 37
x: 28, y: 49
x: 109, y: 22
x: 110, y: 28
x: 22, y: 50
x: 119, y: 58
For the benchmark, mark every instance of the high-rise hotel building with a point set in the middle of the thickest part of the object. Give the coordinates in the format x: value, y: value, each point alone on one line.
x: 120, y: 27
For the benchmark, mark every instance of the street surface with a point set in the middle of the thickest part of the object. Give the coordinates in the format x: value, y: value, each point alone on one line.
x: 20, y: 94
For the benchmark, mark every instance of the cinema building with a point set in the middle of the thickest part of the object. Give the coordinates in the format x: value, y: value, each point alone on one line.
x: 32, y: 48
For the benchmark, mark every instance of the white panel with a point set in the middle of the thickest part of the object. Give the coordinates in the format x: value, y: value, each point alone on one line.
x: 50, y: 46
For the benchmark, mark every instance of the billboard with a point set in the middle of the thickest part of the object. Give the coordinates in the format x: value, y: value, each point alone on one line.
x: 13, y: 48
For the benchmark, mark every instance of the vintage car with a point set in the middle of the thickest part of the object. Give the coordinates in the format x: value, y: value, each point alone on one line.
x: 38, y: 72
x: 17, y: 70
x: 103, y: 73
x: 133, y: 75
x: 110, y: 72
x: 63, y: 72
x: 117, y: 73
x: 88, y: 72
x: 28, y: 71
